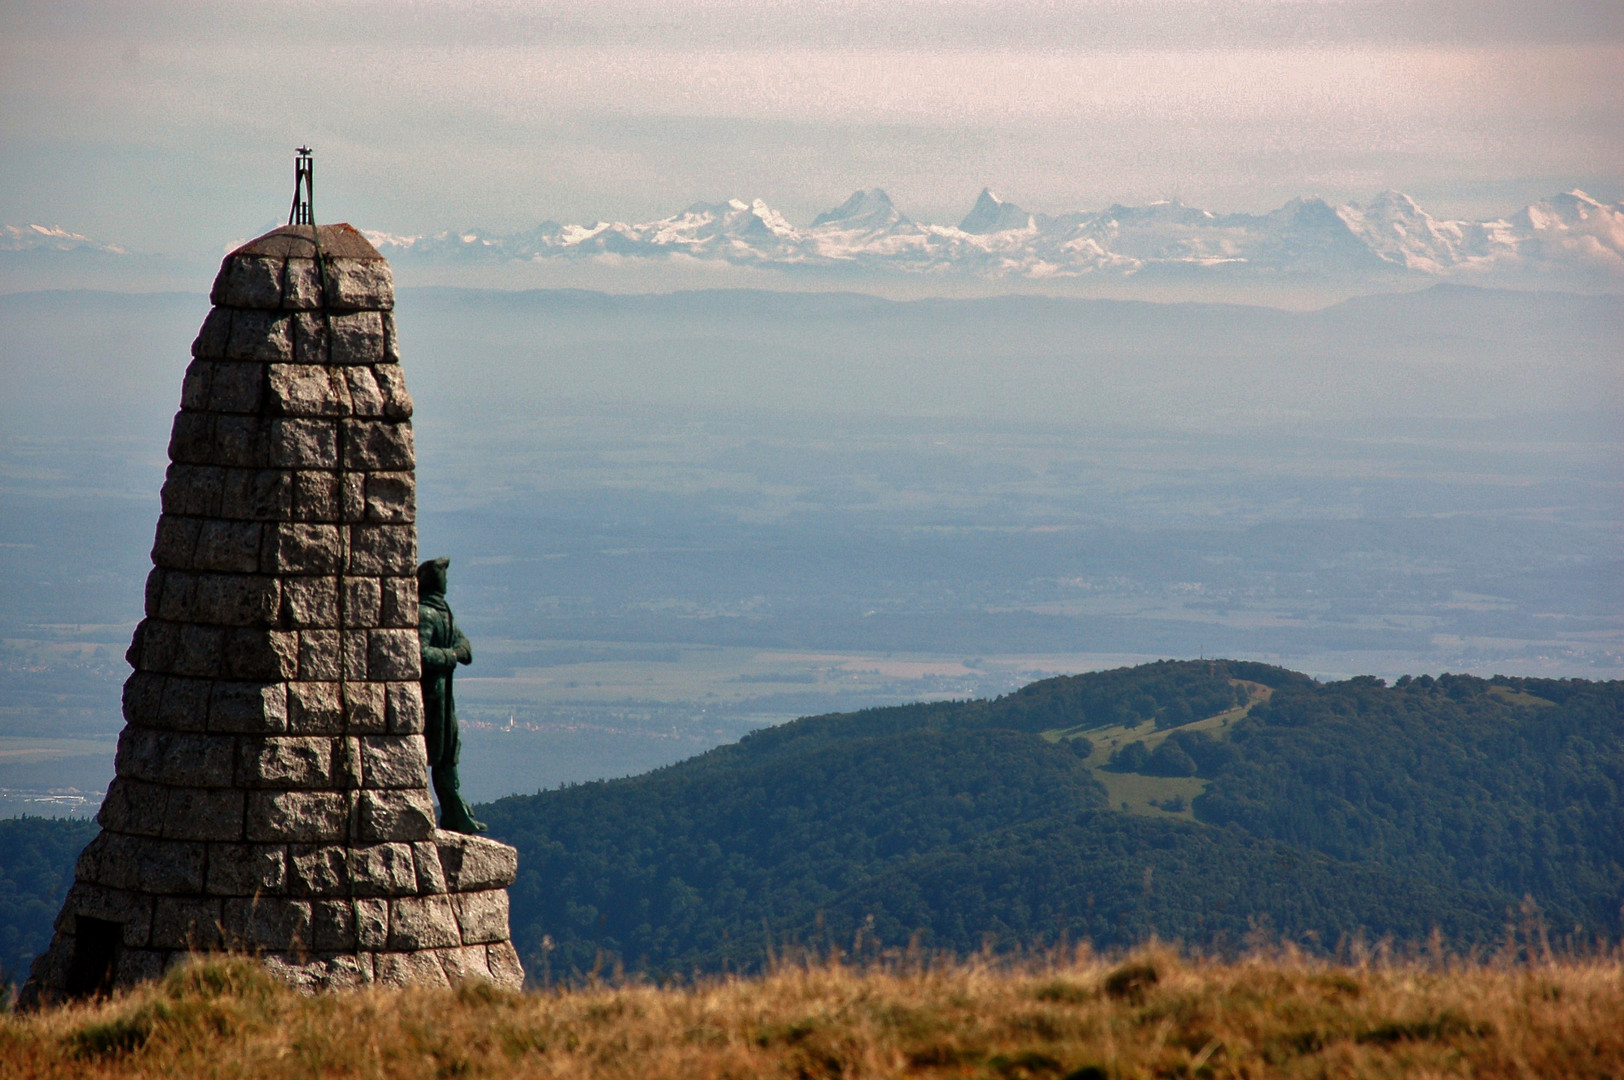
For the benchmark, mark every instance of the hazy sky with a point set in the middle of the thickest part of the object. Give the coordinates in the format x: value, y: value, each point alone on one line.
x: 169, y: 126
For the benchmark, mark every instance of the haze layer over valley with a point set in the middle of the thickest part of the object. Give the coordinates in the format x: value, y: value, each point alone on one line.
x: 674, y: 518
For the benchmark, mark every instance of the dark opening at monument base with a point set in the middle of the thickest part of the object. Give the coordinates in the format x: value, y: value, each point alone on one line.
x: 96, y: 947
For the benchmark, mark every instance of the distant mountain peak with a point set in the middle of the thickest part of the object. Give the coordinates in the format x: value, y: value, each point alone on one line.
x: 993, y: 215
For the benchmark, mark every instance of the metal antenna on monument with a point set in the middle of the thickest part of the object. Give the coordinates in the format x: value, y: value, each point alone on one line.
x: 304, y: 189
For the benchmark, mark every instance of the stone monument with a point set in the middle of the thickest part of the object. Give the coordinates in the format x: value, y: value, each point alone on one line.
x: 272, y: 786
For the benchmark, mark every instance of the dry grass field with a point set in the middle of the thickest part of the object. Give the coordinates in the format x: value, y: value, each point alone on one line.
x: 1150, y: 1014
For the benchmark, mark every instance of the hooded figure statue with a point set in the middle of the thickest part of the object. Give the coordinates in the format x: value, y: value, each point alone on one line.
x: 444, y: 647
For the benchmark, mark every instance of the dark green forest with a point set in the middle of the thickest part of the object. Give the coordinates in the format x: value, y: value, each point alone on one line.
x: 1323, y: 813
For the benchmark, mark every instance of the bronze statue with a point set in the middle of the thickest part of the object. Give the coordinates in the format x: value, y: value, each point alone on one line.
x: 444, y: 647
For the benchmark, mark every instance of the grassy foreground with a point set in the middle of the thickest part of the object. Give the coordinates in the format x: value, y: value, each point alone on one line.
x: 1150, y: 1014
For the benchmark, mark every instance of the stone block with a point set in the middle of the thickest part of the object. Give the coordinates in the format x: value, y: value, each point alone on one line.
x: 199, y: 650
x: 186, y: 704
x: 399, y: 814
x: 363, y: 602
x: 191, y: 439
x: 267, y: 922
x: 397, y: 402
x: 249, y: 707
x: 142, y: 864
x: 364, y: 709
x: 266, y: 655
x: 302, y: 548
x: 318, y: 655
x: 475, y: 863
x: 354, y: 338
x: 332, y: 924
x: 391, y: 339
x: 394, y: 761
x: 353, y: 498
x: 430, y: 874
x: 237, y: 600
x: 344, y: 971
x: 237, y: 388
x: 310, y: 338
x: 248, y: 281
x: 240, y: 442
x: 176, y: 592
x: 215, y: 334
x: 352, y: 650
x: 391, y: 497
x: 379, y: 550
x: 398, y: 603
x: 307, y: 390
x: 356, y: 284
x: 186, y: 922
x: 131, y: 910
x: 422, y: 922
x: 314, y: 708
x: 301, y: 285
x: 316, y: 496
x: 134, y: 806
x: 310, y: 603
x: 366, y: 399
x: 260, y: 335
x: 174, y: 542
x: 180, y: 758
x: 297, y: 816
x: 382, y: 870
x: 403, y: 703
x: 287, y: 762
x: 192, y: 490
x: 297, y: 443
x: 394, y: 654
x: 228, y: 545
x: 152, y: 595
x: 247, y: 869
x: 318, y: 870
x: 256, y: 495
x: 194, y: 385
x: 409, y: 969
x: 464, y: 963
x: 204, y: 814
x: 143, y: 698
x: 371, y: 923
x: 503, y: 960
x: 378, y: 445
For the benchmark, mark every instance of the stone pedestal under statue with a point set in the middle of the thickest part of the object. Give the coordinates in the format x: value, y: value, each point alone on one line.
x: 272, y: 786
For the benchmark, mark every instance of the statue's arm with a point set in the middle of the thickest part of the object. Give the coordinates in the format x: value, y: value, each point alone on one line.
x: 435, y: 659
x: 463, y: 649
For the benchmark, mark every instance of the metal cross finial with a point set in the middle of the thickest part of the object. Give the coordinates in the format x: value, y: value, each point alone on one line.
x: 304, y: 189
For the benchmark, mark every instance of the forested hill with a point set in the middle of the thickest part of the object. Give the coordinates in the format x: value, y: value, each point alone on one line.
x: 1203, y: 801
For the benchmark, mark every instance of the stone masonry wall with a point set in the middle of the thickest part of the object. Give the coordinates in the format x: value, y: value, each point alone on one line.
x: 272, y: 785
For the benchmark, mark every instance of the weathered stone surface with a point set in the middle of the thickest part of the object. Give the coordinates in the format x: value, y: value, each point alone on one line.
x: 363, y: 600
x: 259, y: 655
x: 391, y: 497
x: 371, y: 923
x: 191, y: 439
x: 318, y: 870
x: 382, y: 870
x: 314, y: 708
x: 236, y: 387
x: 310, y: 603
x: 193, y: 759
x: 464, y: 963
x: 227, y: 545
x: 174, y: 541
x: 297, y: 815
x: 476, y: 863
x: 393, y: 655
x: 285, y: 761
x: 260, y: 335
x: 270, y: 922
x: 307, y: 390
x: 247, y: 869
x: 192, y: 490
x: 134, y: 806
x: 318, y: 655
x: 409, y: 969
x: 316, y: 496
x: 184, y: 922
x: 355, y: 338
x: 332, y: 924
x: 353, y: 284
x: 404, y: 703
x: 352, y: 652
x: 130, y: 909
x: 295, y: 443
x: 299, y: 548
x: 503, y: 960
x: 141, y: 864
x: 204, y: 814
x: 397, y: 402
x: 398, y: 603
x: 247, y: 281
x: 194, y: 385
x: 377, y: 445
x: 214, y: 335
x: 255, y: 494
x: 235, y: 599
x: 186, y: 703
x: 240, y: 441
x: 482, y: 916
x: 249, y: 707
x: 301, y: 285
x: 422, y: 922
x: 430, y: 874
x: 405, y: 814
x: 394, y: 761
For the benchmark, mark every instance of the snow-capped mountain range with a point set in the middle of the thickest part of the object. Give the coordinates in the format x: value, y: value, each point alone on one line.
x: 1567, y: 238
x: 1570, y: 234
